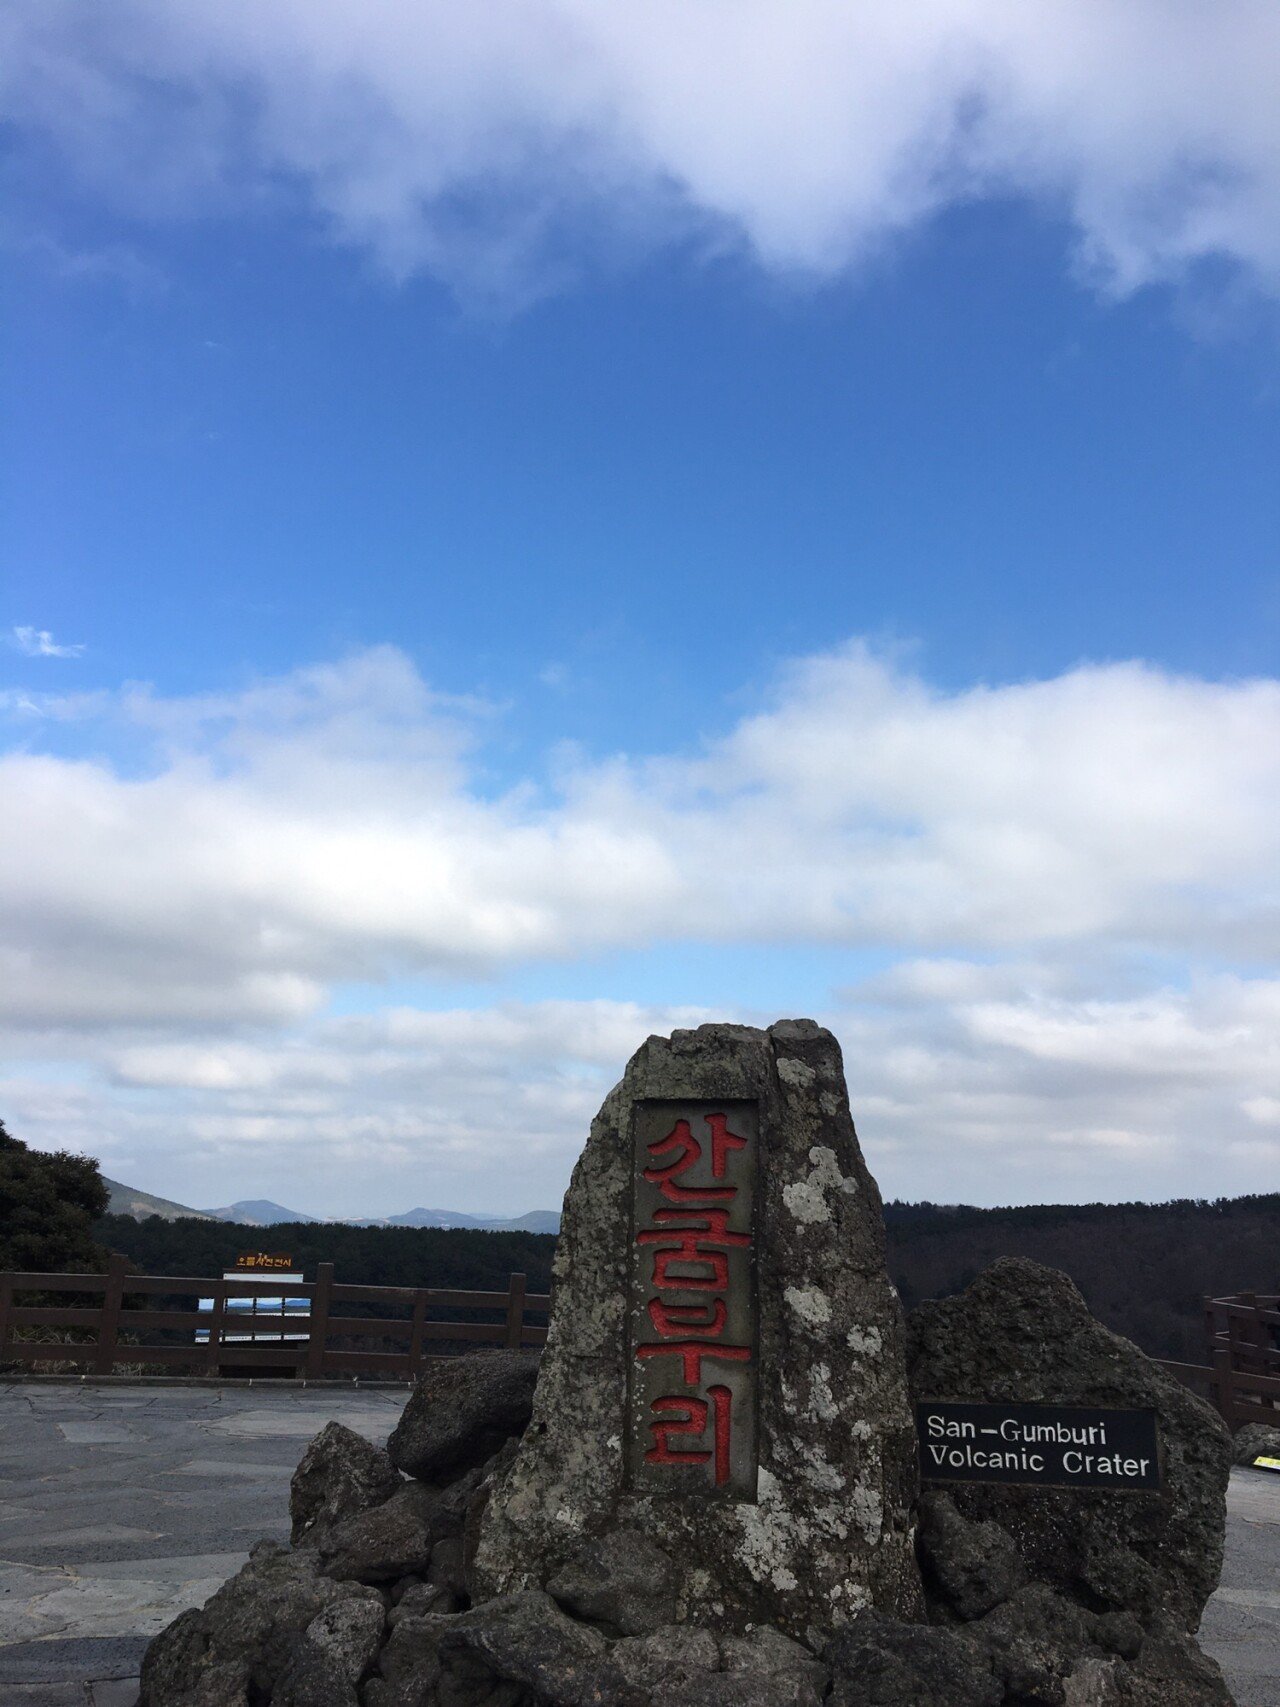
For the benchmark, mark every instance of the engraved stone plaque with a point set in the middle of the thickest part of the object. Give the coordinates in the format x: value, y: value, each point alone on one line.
x: 692, y: 1325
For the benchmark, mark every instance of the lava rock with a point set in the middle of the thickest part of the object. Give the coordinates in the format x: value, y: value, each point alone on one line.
x: 416, y: 1599
x: 658, y: 1661
x: 682, y: 1665
x: 771, y: 1661
x: 619, y: 1581
x: 831, y: 1527
x: 525, y: 1639
x: 408, y: 1669
x: 1255, y: 1440
x: 768, y: 1653
x: 739, y: 1689
x: 968, y: 1567
x: 462, y: 1411
x: 883, y: 1662
x: 1022, y: 1333
x: 336, y: 1650
x: 1037, y: 1640
x: 1171, y: 1671
x: 236, y: 1646
x: 445, y: 1569
x: 340, y: 1475
x: 391, y: 1540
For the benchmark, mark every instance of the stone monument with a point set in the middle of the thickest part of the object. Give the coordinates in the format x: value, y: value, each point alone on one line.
x: 724, y: 1372
x: 708, y: 1491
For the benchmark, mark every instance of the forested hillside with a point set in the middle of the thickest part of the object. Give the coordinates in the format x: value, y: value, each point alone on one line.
x: 1144, y: 1268
x: 368, y: 1256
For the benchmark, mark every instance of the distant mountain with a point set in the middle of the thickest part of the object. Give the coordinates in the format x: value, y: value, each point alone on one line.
x: 423, y: 1218
x: 260, y: 1212
x: 125, y: 1200
x: 536, y: 1221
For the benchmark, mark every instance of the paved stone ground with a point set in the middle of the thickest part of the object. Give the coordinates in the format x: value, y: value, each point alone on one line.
x: 122, y: 1505
x: 1241, y: 1626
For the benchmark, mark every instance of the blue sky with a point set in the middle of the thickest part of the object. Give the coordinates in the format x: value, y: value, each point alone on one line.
x: 490, y: 618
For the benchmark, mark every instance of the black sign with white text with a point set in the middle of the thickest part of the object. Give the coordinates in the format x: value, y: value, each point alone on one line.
x: 1053, y: 1446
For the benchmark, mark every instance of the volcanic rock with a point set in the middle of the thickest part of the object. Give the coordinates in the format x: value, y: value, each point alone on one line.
x: 619, y: 1581
x: 1255, y: 1440
x: 236, y: 1647
x: 885, y: 1662
x: 390, y: 1540
x: 340, y: 1475
x: 828, y: 1531
x: 462, y: 1411
x: 968, y: 1567
x: 1022, y: 1333
x: 336, y: 1650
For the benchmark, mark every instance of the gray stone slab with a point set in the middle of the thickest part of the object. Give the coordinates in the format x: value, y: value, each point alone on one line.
x: 95, y: 1535
x: 215, y: 1467
x: 124, y: 1506
x: 180, y: 1568
x: 95, y: 1433
x: 48, y: 1694
x: 80, y: 1663
x: 114, y: 1692
x: 1241, y: 1627
x: 128, y: 1605
x: 293, y: 1425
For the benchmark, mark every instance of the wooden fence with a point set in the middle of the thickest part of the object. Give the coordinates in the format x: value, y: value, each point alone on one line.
x: 126, y: 1330
x: 1242, y: 1376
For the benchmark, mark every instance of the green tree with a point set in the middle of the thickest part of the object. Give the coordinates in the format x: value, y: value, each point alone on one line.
x: 48, y: 1204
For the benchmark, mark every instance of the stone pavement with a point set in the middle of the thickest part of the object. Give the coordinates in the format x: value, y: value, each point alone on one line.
x: 121, y: 1505
x: 1241, y: 1626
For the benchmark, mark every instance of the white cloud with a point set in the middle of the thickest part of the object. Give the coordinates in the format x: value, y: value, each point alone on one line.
x: 327, y: 827
x: 493, y: 145
x: 39, y: 643
x: 1074, y: 880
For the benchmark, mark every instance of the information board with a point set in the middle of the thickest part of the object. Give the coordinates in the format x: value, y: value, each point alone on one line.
x: 1056, y: 1446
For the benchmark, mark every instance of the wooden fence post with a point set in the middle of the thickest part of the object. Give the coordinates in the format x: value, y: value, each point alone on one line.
x: 1254, y: 1334
x: 216, y: 1317
x: 109, y: 1319
x: 516, y: 1288
x: 1226, y: 1386
x: 1210, y: 1351
x: 417, y: 1334
x: 318, y: 1321
x: 6, y: 1299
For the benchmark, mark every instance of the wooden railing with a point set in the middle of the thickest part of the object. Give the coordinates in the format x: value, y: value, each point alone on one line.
x: 121, y: 1321
x: 1242, y: 1334
x: 1242, y: 1376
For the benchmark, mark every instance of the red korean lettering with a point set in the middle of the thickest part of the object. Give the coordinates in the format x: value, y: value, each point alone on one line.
x: 689, y: 1417
x: 691, y: 1354
x: 692, y: 1239
x: 703, y: 1320
x: 722, y: 1141
x: 692, y: 1419
x: 681, y: 1140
